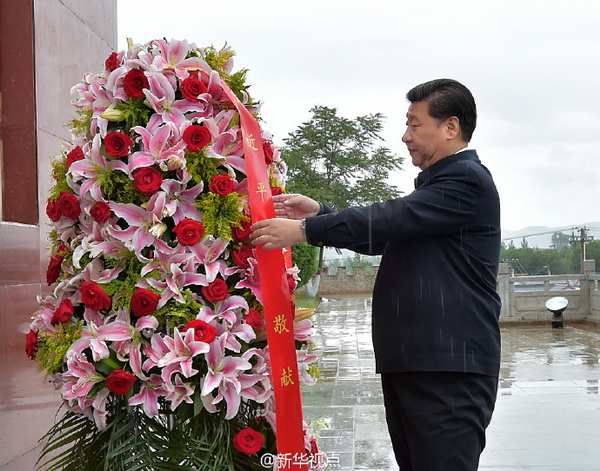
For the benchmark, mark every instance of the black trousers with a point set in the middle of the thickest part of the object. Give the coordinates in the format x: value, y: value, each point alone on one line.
x: 437, y: 420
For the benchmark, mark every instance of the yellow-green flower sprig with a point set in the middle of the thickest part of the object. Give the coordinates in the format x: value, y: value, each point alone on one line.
x: 53, y: 347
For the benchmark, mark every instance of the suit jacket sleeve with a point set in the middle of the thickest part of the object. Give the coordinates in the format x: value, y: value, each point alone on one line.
x: 446, y: 203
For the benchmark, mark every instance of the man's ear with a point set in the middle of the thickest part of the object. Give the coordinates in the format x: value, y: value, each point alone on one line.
x: 452, y: 127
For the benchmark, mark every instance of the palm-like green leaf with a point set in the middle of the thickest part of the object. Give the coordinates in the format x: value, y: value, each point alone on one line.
x: 133, y: 441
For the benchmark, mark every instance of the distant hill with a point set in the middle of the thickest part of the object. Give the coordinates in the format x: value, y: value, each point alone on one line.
x: 541, y: 236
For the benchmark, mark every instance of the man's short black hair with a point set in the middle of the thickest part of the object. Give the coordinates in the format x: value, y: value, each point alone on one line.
x: 446, y: 98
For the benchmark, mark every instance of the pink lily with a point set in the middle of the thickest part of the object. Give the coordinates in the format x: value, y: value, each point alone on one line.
x: 149, y: 394
x: 90, y: 169
x: 157, y: 147
x: 257, y: 386
x: 95, y: 271
x: 154, y: 352
x: 173, y: 56
x: 79, y: 378
x: 99, y: 406
x: 174, y: 277
x: 182, y: 350
x: 81, y: 96
x: 144, y: 225
x: 179, y: 392
x: 228, y: 310
x: 228, y: 314
x: 251, y: 280
x: 94, y: 336
x: 114, y: 84
x: 161, y: 97
x: 130, y: 349
x: 305, y: 360
x: 180, y: 200
x: 208, y: 253
x: 223, y: 375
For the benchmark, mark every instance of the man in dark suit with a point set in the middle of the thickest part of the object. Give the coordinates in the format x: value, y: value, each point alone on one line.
x: 435, y: 306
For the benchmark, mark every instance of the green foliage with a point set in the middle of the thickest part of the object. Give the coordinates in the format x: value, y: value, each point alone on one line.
x: 560, y: 240
x: 218, y: 60
x: 82, y: 125
x: 306, y: 257
x: 52, y: 347
x: 59, y: 172
x: 220, y: 213
x: 201, y: 167
x: 174, y: 313
x: 133, y: 441
x: 237, y: 83
x: 537, y: 261
x: 134, y: 112
x: 338, y: 161
x: 118, y: 187
x: 121, y: 289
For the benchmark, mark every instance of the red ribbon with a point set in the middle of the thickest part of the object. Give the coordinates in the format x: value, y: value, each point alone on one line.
x: 277, y: 303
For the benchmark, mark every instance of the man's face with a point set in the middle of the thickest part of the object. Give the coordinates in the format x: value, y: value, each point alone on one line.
x: 425, y: 137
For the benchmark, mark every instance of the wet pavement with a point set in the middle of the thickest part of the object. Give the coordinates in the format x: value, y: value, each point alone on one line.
x: 547, y: 415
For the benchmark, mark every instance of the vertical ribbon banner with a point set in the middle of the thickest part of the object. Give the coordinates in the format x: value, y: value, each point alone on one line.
x: 279, y: 311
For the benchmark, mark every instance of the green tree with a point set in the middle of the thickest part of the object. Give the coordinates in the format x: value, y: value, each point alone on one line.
x: 559, y: 240
x: 305, y: 256
x: 340, y: 161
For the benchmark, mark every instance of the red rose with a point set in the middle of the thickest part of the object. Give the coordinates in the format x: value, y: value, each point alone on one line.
x: 117, y: 144
x: 100, y: 212
x: 112, y: 62
x: 248, y: 441
x: 268, y: 150
x: 191, y: 87
x: 222, y: 185
x: 147, y: 181
x: 242, y: 232
x: 196, y: 137
x: 31, y: 344
x: 203, y: 331
x: 189, y: 232
x: 69, y: 205
x: 120, y: 382
x: 134, y: 83
x: 216, y: 291
x: 75, y: 155
x: 143, y: 302
x: 53, y: 269
x: 94, y: 297
x: 254, y: 319
x: 240, y: 256
x: 276, y: 190
x: 63, y: 313
x: 53, y: 210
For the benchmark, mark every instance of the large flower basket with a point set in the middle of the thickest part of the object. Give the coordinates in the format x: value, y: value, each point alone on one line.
x: 154, y: 332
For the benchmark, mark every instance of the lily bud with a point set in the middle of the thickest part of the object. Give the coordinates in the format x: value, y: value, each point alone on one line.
x: 112, y: 115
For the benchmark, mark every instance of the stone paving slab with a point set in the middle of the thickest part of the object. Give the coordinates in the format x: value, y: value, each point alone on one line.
x: 547, y: 415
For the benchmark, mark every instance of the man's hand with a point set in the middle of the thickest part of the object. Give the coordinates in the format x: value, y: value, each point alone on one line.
x: 295, y: 206
x: 277, y: 233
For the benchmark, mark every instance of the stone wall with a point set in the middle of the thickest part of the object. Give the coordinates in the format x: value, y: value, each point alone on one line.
x: 523, y: 297
x: 343, y: 282
x: 46, y: 47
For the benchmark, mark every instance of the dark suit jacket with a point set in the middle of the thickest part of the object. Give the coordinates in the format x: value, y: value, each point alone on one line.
x: 435, y: 306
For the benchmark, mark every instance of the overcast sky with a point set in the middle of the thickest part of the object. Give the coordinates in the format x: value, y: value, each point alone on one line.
x: 532, y: 65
